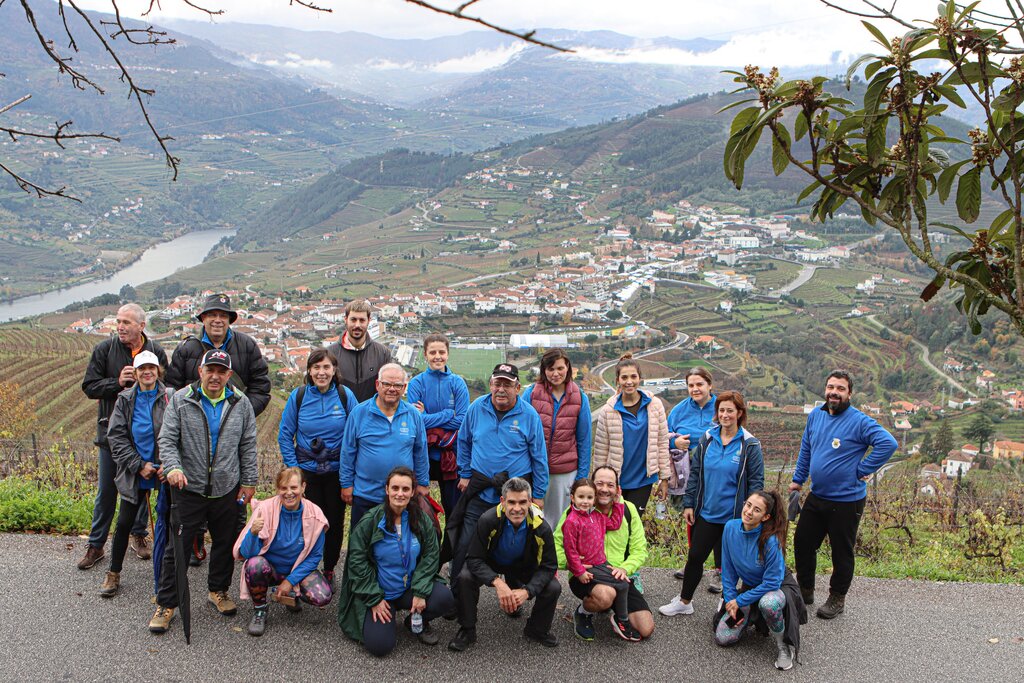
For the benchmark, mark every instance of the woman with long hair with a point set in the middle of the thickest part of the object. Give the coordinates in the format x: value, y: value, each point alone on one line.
x: 392, y: 563
x: 726, y: 469
x: 754, y: 552
x: 632, y: 437
x: 565, y: 413
x: 309, y: 436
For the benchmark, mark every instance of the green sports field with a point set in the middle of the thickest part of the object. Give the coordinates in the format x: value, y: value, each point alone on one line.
x: 470, y: 363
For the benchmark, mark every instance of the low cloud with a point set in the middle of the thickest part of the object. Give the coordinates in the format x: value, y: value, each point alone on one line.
x: 478, y: 61
x: 292, y: 61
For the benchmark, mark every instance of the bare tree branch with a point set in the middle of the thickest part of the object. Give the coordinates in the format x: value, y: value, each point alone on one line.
x: 29, y: 186
x: 78, y: 79
x: 151, y: 36
x: 527, y: 36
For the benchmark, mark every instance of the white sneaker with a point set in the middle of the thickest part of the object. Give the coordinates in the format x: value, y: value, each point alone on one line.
x: 676, y: 607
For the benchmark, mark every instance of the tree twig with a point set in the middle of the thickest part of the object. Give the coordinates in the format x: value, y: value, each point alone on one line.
x: 527, y: 36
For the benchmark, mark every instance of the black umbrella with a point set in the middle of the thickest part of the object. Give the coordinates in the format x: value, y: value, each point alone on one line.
x: 180, y: 568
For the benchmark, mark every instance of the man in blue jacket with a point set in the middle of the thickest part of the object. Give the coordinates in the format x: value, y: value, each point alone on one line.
x: 501, y: 435
x: 833, y: 452
x: 381, y: 434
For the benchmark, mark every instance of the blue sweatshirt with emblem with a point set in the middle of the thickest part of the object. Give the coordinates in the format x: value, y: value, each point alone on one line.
x: 691, y: 419
x: 445, y: 397
x: 396, y: 556
x: 832, y: 453
x: 286, y: 547
x: 322, y: 414
x: 741, y: 560
x: 373, y: 445
x: 513, y: 444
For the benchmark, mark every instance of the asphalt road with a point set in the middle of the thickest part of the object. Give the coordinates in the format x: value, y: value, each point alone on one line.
x: 54, y: 627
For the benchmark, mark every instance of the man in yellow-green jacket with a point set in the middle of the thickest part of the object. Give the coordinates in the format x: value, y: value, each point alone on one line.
x: 626, y: 548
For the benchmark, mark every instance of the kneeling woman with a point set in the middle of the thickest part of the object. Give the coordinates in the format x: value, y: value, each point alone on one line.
x: 392, y: 564
x: 282, y: 545
x: 754, y: 551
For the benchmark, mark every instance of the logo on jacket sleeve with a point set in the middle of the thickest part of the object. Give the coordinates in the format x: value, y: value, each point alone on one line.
x: 836, y: 442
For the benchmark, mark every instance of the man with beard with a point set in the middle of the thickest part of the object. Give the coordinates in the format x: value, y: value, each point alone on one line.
x: 833, y: 452
x: 359, y: 357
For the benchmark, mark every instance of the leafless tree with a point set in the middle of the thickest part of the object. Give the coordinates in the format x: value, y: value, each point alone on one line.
x: 107, y: 32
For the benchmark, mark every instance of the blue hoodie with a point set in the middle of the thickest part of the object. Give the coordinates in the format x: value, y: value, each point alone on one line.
x: 832, y: 453
x: 690, y: 419
x: 445, y: 397
x: 740, y: 560
x: 322, y: 414
x: 514, y: 445
x: 374, y: 445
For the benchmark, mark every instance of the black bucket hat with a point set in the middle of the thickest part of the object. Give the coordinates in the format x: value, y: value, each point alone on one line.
x: 218, y: 302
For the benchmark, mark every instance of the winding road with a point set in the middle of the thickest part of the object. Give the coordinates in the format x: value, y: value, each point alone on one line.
x: 924, y: 356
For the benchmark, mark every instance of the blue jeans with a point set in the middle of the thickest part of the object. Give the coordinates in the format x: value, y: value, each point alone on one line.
x: 106, y: 500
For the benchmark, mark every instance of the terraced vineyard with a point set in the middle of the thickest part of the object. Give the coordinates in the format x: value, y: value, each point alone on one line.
x: 688, y: 310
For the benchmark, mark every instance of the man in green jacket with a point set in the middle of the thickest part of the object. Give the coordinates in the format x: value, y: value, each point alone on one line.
x: 626, y: 548
x: 512, y: 550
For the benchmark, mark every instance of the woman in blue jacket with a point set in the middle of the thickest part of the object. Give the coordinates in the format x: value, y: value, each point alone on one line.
x: 310, y: 434
x: 443, y: 399
x: 754, y: 552
x: 727, y: 468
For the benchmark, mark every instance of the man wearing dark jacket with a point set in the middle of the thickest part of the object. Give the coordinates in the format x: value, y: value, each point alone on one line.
x: 208, y: 451
x: 250, y: 373
x: 513, y: 550
x: 109, y: 371
x: 359, y: 357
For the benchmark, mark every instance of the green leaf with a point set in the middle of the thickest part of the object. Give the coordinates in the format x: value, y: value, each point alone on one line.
x: 968, y: 195
x: 779, y: 159
x: 879, y: 36
x: 1001, y: 221
x: 945, y: 139
x: 946, y: 179
x: 744, y: 119
x: 876, y: 141
x: 961, y: 232
x: 800, y: 125
x: 933, y: 53
x: 734, y: 104
x: 1009, y: 99
x: 807, y: 191
x: 856, y: 65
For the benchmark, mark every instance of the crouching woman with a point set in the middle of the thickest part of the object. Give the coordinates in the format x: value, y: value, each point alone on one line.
x: 391, y: 564
x: 282, y: 545
x: 754, y: 552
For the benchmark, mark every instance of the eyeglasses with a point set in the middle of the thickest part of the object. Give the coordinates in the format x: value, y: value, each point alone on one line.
x: 392, y: 385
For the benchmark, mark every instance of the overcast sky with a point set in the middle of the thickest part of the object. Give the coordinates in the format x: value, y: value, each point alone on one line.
x: 782, y: 32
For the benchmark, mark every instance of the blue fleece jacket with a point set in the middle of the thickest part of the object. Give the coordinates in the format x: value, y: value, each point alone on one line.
x: 322, y: 414
x: 396, y: 558
x: 515, y: 444
x: 445, y: 397
x: 690, y: 419
x: 227, y: 338
x: 721, y: 473
x: 634, y: 446
x: 740, y: 560
x: 584, y: 430
x: 286, y: 547
x: 374, y: 445
x: 142, y: 431
x: 832, y: 453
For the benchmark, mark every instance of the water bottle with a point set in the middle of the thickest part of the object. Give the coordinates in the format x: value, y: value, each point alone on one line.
x: 416, y: 623
x: 659, y: 510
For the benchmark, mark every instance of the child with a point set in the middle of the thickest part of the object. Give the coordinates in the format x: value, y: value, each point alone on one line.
x: 583, y: 538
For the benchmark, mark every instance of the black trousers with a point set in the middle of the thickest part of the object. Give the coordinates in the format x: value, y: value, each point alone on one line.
x: 324, y: 491
x: 541, y: 616
x: 704, y: 539
x: 638, y: 497
x: 380, y: 639
x: 220, y: 515
x: 127, y: 516
x: 839, y: 521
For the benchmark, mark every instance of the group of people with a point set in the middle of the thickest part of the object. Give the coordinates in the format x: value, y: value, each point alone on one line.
x: 523, y: 489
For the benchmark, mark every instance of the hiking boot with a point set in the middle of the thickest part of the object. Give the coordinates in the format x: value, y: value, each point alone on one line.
x: 427, y: 636
x: 584, y: 625
x: 462, y: 640
x: 161, y: 619
x: 784, y: 659
x: 140, y: 546
x: 715, y: 584
x: 808, y: 595
x: 548, y: 639
x: 833, y: 607
x: 222, y: 602
x: 676, y: 607
x: 679, y: 574
x: 91, y: 557
x: 624, y: 630
x: 258, y: 623
x: 111, y: 584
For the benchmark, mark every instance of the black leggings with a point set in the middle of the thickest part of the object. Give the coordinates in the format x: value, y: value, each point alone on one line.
x: 638, y: 497
x: 324, y: 491
x: 706, y: 536
x: 125, y: 521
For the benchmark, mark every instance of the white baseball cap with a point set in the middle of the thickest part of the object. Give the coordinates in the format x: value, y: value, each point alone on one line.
x: 145, y: 358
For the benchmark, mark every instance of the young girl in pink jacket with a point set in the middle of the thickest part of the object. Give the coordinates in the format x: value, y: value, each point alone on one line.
x: 583, y: 539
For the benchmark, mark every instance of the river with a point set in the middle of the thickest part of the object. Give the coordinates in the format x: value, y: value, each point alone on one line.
x: 155, y: 263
